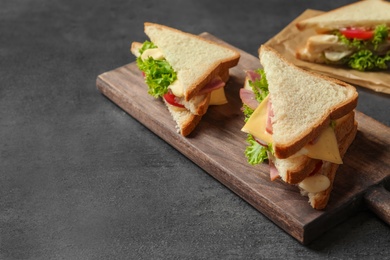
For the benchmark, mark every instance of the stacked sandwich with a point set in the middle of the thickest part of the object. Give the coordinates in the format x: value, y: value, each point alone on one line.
x: 356, y: 35
x: 301, y: 122
x: 187, y: 71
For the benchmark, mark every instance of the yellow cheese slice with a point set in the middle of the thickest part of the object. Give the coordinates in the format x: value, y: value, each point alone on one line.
x: 177, y: 88
x: 155, y: 53
x: 218, y: 97
x: 256, y: 124
x: 325, y: 148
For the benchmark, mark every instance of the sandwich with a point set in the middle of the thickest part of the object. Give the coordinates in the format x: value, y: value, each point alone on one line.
x: 186, y: 71
x: 354, y: 36
x: 302, y: 123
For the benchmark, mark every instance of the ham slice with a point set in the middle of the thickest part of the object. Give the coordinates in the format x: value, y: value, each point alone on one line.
x: 261, y: 142
x: 270, y: 112
x: 248, y: 98
x: 252, y: 75
x: 214, y: 84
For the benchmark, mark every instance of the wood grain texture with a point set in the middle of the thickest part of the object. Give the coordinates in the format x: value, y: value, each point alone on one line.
x: 217, y: 145
x: 377, y: 199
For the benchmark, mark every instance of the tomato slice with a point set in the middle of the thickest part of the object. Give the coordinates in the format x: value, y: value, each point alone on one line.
x: 171, y: 99
x: 356, y: 33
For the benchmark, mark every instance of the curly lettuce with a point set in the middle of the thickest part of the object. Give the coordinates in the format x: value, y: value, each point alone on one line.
x: 159, y: 74
x: 260, y: 86
x: 255, y: 152
x: 381, y: 34
x: 247, y: 112
x: 365, y: 58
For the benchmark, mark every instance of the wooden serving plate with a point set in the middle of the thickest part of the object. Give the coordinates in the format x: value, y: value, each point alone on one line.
x: 217, y: 145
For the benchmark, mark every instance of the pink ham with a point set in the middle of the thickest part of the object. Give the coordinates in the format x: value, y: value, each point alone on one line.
x: 270, y: 112
x: 261, y: 142
x: 248, y: 98
x: 252, y: 75
x: 214, y: 84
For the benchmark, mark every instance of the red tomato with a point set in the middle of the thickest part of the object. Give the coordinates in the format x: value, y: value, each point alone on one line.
x: 357, y: 33
x: 171, y: 99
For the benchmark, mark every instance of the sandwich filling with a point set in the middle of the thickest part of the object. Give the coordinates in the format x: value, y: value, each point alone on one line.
x: 257, y: 108
x: 163, y: 82
x: 357, y: 47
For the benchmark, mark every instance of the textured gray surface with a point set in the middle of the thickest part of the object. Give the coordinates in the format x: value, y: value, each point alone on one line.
x: 80, y: 179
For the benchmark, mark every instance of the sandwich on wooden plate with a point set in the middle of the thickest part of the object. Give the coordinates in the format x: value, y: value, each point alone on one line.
x: 302, y: 123
x: 355, y: 36
x: 187, y: 71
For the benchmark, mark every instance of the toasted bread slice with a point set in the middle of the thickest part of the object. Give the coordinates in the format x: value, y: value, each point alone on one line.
x: 295, y: 169
x: 196, y: 60
x: 366, y: 13
x: 303, y: 102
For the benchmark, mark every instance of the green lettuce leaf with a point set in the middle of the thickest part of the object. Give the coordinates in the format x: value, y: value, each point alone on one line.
x: 147, y: 45
x: 366, y: 60
x: 384, y: 61
x: 260, y: 86
x: 255, y: 152
x: 247, y: 112
x: 380, y: 35
x: 158, y: 73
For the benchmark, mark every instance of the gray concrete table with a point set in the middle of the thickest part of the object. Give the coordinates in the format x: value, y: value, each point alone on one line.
x: 81, y: 179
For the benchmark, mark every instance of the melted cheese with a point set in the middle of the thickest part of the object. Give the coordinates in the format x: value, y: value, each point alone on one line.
x: 218, y: 97
x: 325, y: 148
x: 155, y: 53
x: 177, y: 88
x: 336, y: 55
x: 315, y: 183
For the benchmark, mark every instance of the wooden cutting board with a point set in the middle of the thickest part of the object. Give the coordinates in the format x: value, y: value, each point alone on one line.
x: 217, y: 145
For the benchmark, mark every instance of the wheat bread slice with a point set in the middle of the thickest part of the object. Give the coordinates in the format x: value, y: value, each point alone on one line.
x: 196, y: 60
x: 296, y: 168
x: 319, y: 200
x: 303, y: 102
x: 368, y: 13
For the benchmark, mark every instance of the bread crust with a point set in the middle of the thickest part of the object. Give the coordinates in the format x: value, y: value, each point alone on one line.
x: 306, y: 165
x: 189, y: 125
x: 185, y: 120
x: 283, y: 151
x: 294, y: 176
x: 320, y: 200
x: 356, y: 15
